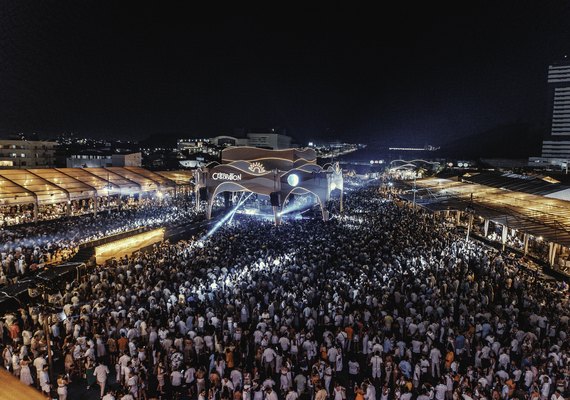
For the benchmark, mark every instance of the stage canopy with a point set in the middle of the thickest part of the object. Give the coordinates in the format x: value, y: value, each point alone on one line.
x: 274, y: 173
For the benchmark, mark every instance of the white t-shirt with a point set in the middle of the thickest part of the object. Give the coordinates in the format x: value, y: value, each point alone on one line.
x: 440, y: 390
x: 176, y: 378
x: 101, y: 371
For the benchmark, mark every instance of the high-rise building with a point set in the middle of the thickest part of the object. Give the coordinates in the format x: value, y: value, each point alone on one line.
x: 556, y: 147
x: 27, y: 153
x: 269, y: 140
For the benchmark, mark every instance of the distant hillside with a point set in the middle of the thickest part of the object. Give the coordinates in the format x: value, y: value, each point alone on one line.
x: 168, y: 140
x: 507, y: 141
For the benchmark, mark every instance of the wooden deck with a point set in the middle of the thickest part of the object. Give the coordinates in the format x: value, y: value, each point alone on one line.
x: 12, y: 389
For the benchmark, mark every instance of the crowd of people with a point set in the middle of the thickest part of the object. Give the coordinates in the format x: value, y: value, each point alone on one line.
x: 382, y: 302
x: 26, y: 247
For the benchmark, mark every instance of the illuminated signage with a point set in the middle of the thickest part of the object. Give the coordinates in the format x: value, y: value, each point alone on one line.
x: 222, y: 176
x: 256, y: 167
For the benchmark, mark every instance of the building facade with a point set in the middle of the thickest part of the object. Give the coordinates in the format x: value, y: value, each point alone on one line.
x: 270, y: 140
x: 27, y: 153
x: 273, y: 141
x: 98, y: 159
x: 556, y: 147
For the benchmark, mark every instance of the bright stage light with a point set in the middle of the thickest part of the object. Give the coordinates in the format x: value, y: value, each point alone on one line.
x: 225, y: 218
x: 297, y: 206
x: 293, y: 180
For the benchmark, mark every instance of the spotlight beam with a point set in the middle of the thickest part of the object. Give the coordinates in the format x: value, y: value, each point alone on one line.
x: 240, y: 203
x: 225, y: 218
x: 296, y: 207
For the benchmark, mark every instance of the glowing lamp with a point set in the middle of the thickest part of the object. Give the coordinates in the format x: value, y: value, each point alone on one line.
x: 293, y: 180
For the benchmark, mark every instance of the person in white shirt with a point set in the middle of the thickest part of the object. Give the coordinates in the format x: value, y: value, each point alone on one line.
x: 353, y: 369
x: 270, y: 394
x: 440, y: 390
x: 556, y: 395
x: 39, y: 363
x: 370, y: 393
x: 268, y: 359
x: 528, y: 377
x: 189, y: 377
x: 109, y: 396
x: 385, y: 393
x: 300, y: 383
x: 339, y: 392
x: 101, y: 371
x: 226, y: 382
x: 237, y: 378
x: 545, y: 387
x: 44, y: 381
x: 133, y: 384
x: 122, y: 362
x: 423, y: 395
x: 291, y: 394
x: 407, y: 395
x: 435, y: 357
x: 176, y: 379
x: 376, y: 364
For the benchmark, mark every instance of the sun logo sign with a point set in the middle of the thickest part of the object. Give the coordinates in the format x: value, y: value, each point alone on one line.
x: 257, y: 168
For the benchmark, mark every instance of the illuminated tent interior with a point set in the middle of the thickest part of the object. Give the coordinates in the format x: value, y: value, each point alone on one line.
x: 537, y: 215
x: 544, y: 218
x: 27, y: 194
x: 180, y: 178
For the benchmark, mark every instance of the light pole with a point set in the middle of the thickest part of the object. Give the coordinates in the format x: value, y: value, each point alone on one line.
x: 46, y: 311
x: 471, y: 212
x: 414, y: 201
x: 469, y: 224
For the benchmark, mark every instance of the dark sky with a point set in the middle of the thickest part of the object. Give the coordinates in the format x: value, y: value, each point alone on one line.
x: 417, y: 74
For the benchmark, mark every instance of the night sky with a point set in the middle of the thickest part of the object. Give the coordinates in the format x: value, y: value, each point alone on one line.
x: 413, y: 75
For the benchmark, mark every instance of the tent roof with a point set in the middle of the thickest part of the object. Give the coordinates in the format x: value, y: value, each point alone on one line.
x: 41, y: 189
x: 533, y: 184
x: 530, y: 213
x: 58, y: 185
x: 181, y: 177
x: 76, y: 188
x: 114, y: 180
x: 82, y: 174
x: 146, y: 184
x: 162, y: 181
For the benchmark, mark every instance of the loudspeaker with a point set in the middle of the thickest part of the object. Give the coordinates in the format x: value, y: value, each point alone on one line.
x: 203, y: 194
x: 275, y: 198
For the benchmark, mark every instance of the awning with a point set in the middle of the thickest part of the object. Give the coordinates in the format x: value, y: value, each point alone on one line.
x: 59, y: 185
x: 525, y: 212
